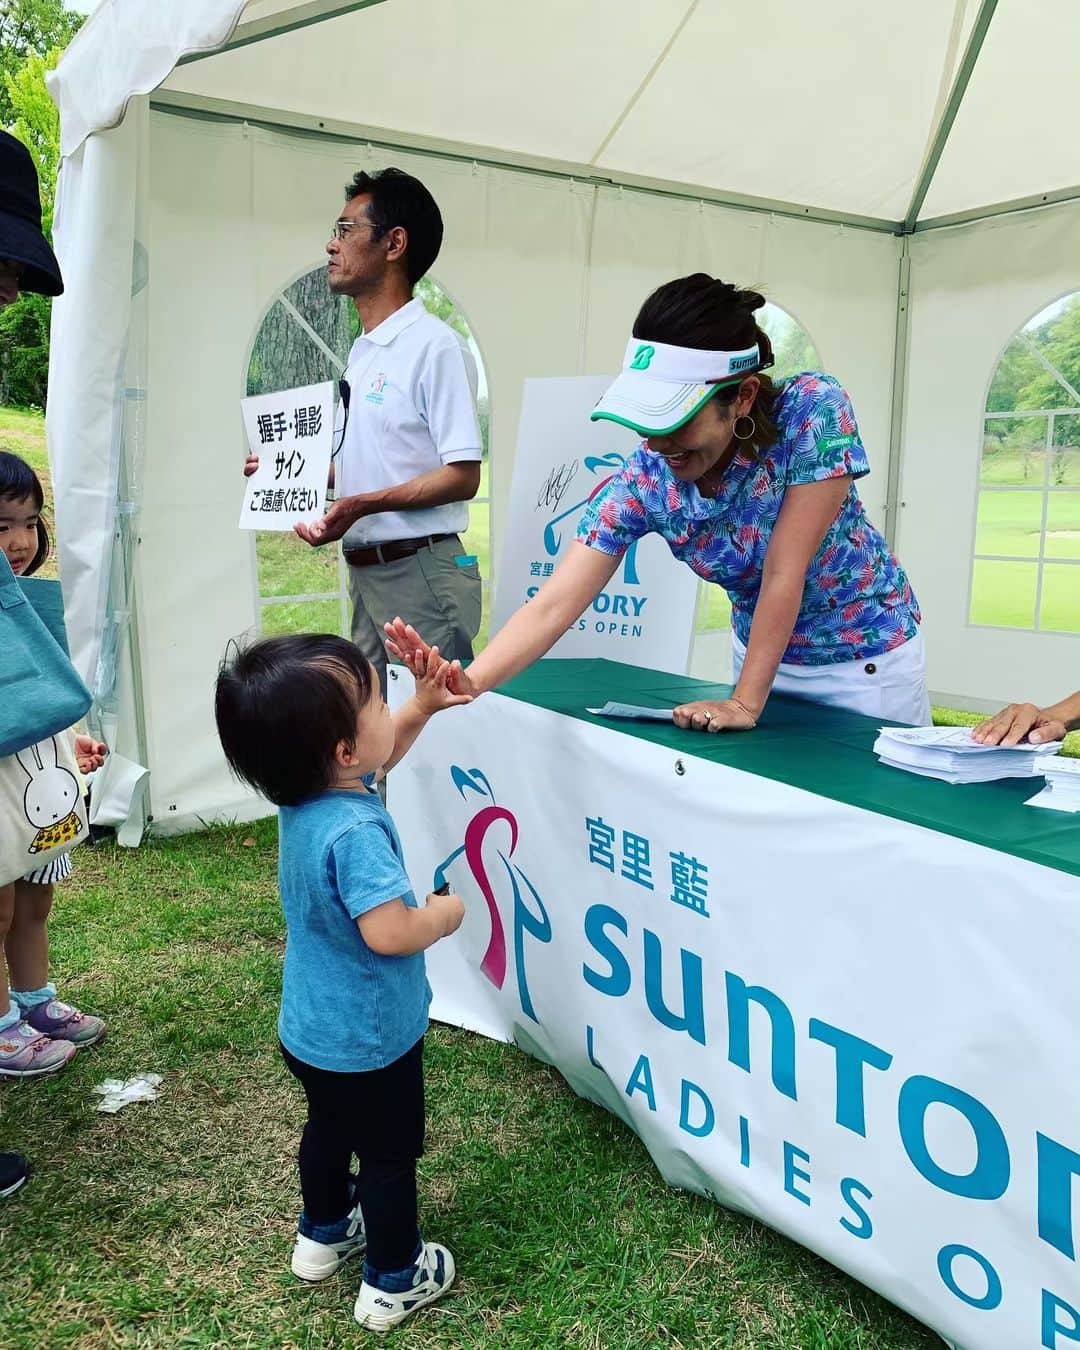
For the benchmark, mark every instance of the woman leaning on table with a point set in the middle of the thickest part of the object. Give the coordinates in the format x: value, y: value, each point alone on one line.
x: 1023, y: 721
x: 751, y: 484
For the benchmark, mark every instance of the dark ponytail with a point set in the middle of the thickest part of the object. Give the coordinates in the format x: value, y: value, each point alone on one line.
x: 712, y: 315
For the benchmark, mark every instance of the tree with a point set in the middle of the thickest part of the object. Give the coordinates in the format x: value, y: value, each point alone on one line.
x: 1059, y: 342
x: 30, y: 27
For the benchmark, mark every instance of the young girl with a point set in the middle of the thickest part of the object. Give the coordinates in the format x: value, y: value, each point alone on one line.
x: 302, y: 719
x: 38, y: 1033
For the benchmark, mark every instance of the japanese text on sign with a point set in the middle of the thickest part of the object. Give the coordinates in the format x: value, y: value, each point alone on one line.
x: 290, y: 434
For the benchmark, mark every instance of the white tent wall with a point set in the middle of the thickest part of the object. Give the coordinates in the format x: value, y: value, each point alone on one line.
x: 972, y: 288
x: 550, y: 273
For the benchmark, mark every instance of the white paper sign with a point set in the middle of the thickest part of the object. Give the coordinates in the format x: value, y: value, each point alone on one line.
x: 645, y: 614
x: 292, y: 432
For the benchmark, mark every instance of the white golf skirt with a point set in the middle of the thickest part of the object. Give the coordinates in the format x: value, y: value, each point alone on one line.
x: 891, y: 686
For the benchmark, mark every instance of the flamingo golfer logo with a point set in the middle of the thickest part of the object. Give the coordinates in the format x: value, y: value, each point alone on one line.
x: 553, y: 537
x: 530, y: 916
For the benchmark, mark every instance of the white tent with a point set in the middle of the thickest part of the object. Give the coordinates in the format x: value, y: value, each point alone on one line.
x: 903, y: 179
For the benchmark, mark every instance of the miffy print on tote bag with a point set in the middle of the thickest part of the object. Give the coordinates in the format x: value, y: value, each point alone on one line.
x: 41, y: 805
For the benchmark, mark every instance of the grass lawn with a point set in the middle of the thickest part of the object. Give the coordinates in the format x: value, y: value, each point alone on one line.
x: 170, y: 1224
x: 1010, y: 523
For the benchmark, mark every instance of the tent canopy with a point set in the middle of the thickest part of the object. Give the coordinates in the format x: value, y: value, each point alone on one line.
x: 895, y: 116
x: 581, y: 155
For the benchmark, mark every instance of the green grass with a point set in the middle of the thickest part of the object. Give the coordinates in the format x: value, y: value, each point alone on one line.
x: 1004, y: 592
x: 170, y: 1224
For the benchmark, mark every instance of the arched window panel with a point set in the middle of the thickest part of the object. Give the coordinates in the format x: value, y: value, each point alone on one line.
x: 1026, y: 564
x: 304, y: 338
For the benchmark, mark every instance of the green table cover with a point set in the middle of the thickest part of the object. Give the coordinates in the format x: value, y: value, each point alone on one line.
x: 822, y: 750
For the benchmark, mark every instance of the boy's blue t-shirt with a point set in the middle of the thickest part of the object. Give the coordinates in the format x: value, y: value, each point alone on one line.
x: 344, y: 1007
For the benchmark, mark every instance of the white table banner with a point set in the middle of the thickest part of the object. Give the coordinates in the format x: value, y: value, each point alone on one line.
x: 860, y: 1031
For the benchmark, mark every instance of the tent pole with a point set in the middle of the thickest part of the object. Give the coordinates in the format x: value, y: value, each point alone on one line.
x: 948, y: 115
x: 1009, y: 208
x: 899, y: 394
x: 300, y: 16
x: 203, y: 108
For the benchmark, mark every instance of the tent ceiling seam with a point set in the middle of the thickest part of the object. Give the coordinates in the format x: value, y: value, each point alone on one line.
x: 944, y: 127
x: 650, y: 75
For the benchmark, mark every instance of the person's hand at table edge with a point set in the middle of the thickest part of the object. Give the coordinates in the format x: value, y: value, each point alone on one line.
x: 1024, y: 721
x: 728, y: 714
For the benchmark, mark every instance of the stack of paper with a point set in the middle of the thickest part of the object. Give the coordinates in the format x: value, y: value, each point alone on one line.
x: 1062, y: 790
x: 949, y: 753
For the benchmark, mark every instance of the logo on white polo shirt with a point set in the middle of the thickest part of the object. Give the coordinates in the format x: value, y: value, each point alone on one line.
x: 375, y: 392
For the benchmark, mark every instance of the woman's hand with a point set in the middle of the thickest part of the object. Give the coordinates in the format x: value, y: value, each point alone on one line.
x: 727, y: 715
x: 89, y: 754
x: 406, y: 645
x: 432, y: 691
x: 1020, y: 721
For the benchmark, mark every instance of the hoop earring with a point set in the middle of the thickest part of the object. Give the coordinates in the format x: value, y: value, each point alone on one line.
x: 744, y: 417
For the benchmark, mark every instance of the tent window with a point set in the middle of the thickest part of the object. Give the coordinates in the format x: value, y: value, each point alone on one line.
x: 305, y: 338
x: 794, y: 351
x: 1026, y: 567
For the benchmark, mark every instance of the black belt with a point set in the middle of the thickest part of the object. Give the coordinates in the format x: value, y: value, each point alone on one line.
x: 392, y: 551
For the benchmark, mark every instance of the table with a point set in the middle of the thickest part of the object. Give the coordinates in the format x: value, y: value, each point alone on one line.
x: 835, y: 996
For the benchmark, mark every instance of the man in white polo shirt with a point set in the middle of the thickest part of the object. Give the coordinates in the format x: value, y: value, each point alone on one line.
x: 410, y: 449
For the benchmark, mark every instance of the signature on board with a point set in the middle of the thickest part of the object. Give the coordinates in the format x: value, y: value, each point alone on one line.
x: 555, y: 485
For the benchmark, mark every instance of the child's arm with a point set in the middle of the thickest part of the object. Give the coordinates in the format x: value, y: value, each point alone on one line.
x: 393, y: 929
x: 431, y: 696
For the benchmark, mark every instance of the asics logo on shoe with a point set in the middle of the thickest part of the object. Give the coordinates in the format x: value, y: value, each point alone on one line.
x: 382, y: 1303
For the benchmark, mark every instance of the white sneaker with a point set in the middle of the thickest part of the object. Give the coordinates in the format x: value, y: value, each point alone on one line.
x: 316, y: 1261
x: 434, y: 1274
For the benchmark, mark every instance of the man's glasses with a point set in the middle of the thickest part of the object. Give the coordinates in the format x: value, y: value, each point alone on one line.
x: 341, y: 228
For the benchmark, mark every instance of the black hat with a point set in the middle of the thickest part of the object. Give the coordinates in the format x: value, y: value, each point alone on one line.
x: 21, y: 239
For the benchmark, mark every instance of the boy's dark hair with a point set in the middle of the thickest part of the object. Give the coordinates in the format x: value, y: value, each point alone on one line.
x: 17, y: 482
x: 283, y: 705
x: 399, y: 199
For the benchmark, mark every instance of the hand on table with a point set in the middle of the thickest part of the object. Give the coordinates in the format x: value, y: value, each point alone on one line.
x: 432, y: 673
x: 89, y: 754
x: 406, y: 645
x: 1017, y: 722
x: 726, y: 715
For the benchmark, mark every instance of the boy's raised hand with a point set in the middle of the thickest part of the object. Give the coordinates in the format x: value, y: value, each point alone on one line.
x: 432, y: 672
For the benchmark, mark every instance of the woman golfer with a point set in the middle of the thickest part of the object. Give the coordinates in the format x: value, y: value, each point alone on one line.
x: 752, y: 485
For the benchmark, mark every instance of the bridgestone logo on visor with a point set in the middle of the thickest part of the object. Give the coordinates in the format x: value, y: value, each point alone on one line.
x: 642, y: 357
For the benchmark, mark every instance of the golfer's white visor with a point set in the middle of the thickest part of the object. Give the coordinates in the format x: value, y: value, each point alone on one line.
x: 661, y: 387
